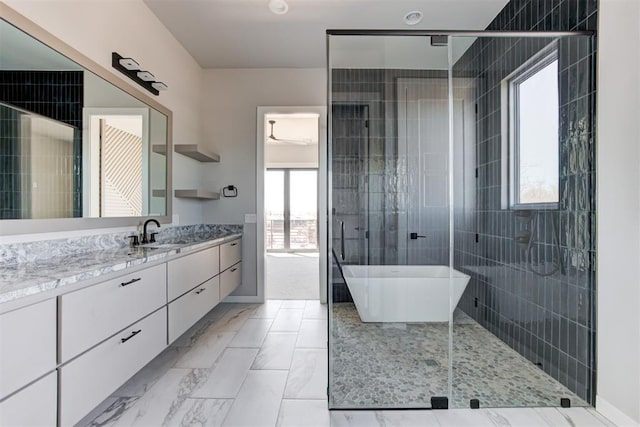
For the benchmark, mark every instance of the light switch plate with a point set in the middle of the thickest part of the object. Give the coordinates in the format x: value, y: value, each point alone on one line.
x: 250, y: 218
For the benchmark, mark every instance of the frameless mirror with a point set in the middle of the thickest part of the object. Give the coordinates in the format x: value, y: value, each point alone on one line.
x: 72, y: 144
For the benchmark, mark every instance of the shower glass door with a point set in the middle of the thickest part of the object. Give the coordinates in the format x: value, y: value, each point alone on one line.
x: 389, y: 207
x: 462, y: 188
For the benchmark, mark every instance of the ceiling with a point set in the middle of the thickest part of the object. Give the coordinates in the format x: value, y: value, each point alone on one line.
x: 245, y: 34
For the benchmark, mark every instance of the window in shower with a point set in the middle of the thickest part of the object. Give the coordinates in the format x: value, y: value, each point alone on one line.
x: 533, y: 110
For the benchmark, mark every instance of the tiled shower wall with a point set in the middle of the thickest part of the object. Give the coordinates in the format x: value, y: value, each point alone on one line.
x: 54, y: 94
x: 548, y: 319
x: 10, y: 200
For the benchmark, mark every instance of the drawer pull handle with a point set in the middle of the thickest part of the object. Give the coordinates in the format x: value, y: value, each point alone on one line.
x: 133, y: 334
x: 234, y: 269
x: 201, y: 290
x: 130, y: 281
x: 233, y: 244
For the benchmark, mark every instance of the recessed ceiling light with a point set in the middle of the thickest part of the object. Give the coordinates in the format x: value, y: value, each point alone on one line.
x: 279, y: 7
x: 412, y: 18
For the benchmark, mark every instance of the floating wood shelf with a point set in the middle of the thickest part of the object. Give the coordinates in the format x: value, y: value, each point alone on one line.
x: 159, y: 193
x: 159, y: 149
x: 197, y: 194
x: 196, y: 152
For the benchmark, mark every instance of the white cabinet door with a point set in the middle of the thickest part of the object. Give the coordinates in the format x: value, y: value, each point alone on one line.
x: 230, y: 279
x: 189, y: 308
x: 92, y: 377
x: 230, y: 254
x: 27, y: 345
x: 189, y: 271
x: 36, y: 405
x: 93, y: 314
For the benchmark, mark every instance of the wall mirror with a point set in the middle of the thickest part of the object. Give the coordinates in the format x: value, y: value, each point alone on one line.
x: 79, y: 147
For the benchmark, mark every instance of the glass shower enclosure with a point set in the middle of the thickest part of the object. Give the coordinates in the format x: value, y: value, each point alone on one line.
x: 461, y: 203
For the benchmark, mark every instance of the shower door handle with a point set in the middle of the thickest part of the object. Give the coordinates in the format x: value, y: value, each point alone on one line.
x: 415, y: 236
x: 342, y: 240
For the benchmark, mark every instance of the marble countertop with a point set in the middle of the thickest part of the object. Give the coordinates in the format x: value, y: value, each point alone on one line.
x: 19, y: 280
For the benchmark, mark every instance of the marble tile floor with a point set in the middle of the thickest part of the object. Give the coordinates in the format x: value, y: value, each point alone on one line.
x: 404, y: 364
x: 232, y: 369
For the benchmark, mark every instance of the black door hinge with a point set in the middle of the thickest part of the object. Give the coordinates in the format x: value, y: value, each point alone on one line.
x: 477, y: 237
x: 366, y: 124
x: 476, y: 172
x: 439, y: 402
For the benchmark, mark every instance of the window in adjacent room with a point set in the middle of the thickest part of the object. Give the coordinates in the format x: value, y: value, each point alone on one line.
x: 533, y: 110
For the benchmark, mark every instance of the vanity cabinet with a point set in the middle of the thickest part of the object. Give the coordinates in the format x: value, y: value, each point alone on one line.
x: 90, y: 315
x: 231, y: 267
x: 191, y: 270
x: 35, y: 405
x: 230, y: 254
x: 230, y: 279
x: 61, y: 357
x: 27, y: 345
x: 195, y: 281
x: 92, y: 377
x: 189, y: 308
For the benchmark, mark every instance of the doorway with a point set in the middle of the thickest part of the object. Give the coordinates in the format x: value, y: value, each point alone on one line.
x: 291, y: 263
x: 291, y: 224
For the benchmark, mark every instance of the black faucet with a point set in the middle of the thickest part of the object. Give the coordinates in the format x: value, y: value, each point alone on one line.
x: 145, y: 238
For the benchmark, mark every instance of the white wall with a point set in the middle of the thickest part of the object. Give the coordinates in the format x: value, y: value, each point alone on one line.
x: 618, y: 211
x: 97, y: 28
x: 231, y: 97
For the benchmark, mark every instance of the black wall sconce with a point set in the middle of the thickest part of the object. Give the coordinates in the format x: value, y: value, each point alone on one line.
x: 130, y: 68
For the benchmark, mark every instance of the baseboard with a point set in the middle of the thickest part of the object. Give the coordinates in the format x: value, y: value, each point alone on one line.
x: 614, y: 414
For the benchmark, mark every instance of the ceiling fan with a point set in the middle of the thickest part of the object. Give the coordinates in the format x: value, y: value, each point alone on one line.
x: 304, y: 141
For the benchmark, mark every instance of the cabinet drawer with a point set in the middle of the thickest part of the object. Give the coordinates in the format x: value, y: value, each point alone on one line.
x: 189, y: 308
x: 36, y: 405
x: 27, y: 345
x: 92, y: 377
x: 93, y: 314
x: 230, y: 279
x: 187, y: 272
x: 230, y: 254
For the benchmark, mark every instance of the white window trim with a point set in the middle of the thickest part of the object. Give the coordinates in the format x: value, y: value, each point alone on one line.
x: 509, y: 194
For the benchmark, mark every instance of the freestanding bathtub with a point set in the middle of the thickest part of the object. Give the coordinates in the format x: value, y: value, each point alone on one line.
x: 404, y: 293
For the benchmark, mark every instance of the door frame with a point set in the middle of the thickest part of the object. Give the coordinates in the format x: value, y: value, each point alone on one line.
x: 322, y: 192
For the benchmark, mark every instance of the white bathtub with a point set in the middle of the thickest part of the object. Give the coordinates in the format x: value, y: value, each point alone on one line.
x: 405, y: 293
